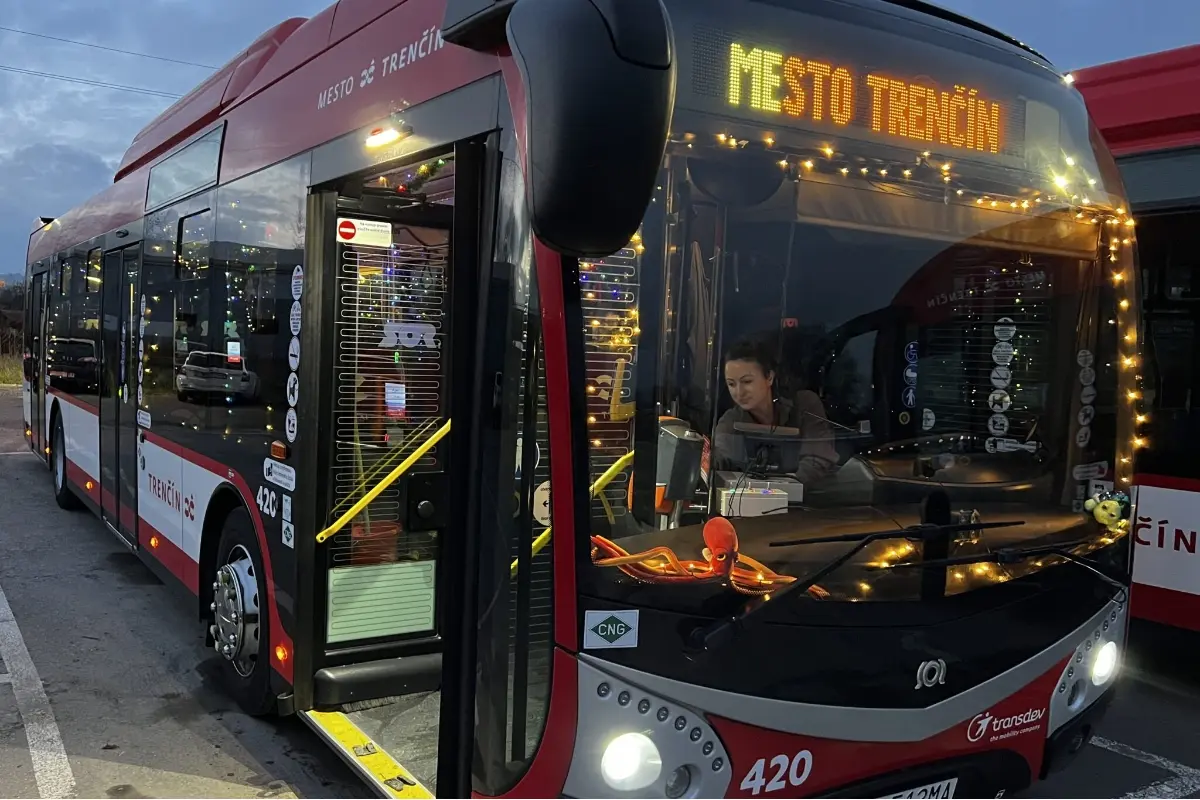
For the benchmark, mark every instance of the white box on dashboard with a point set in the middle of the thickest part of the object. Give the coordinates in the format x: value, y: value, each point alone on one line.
x: 747, y: 502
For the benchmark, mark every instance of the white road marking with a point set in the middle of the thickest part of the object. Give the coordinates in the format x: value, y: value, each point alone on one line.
x: 5, y: 677
x: 51, y: 768
x: 1185, y: 783
x: 17, y: 453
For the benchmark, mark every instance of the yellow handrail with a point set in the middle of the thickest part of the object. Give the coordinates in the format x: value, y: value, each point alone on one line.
x: 403, y: 467
x: 386, y: 462
x: 603, y: 481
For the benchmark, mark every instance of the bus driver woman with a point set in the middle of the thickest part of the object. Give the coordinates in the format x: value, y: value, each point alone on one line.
x: 751, y: 379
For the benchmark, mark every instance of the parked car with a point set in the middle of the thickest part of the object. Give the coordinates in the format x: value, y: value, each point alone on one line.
x: 208, y: 373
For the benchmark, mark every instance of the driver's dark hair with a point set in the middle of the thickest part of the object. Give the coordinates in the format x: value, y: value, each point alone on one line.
x: 755, y: 351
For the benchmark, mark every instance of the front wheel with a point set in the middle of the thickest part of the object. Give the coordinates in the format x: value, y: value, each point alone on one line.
x: 58, y: 463
x: 239, y: 625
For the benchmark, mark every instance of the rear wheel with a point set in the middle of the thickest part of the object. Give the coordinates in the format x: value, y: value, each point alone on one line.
x: 240, y: 616
x: 58, y: 464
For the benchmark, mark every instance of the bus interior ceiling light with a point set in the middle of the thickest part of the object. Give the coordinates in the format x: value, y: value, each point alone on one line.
x: 1104, y: 664
x: 630, y: 762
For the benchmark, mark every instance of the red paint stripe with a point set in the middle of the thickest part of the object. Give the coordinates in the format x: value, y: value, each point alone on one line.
x: 278, y: 635
x: 169, y: 555
x: 1167, y: 482
x: 128, y: 518
x: 1167, y: 606
x: 81, y: 479
x: 548, y: 773
x: 554, y: 328
x: 75, y: 401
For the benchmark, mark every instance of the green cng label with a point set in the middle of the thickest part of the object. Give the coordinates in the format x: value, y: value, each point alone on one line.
x: 604, y: 629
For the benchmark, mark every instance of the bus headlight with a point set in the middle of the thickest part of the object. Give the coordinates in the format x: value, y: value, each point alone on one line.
x: 630, y: 762
x: 1104, y: 663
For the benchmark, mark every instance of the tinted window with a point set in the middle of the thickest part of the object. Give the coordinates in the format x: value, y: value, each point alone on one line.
x: 172, y: 288
x: 92, y: 275
x: 1159, y: 181
x: 192, y: 168
x: 1167, y: 246
x: 260, y: 242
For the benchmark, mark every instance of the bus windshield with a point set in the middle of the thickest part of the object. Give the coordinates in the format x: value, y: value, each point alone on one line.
x: 845, y: 318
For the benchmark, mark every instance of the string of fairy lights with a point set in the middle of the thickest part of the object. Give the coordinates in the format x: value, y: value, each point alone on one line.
x: 611, y: 320
x: 609, y: 297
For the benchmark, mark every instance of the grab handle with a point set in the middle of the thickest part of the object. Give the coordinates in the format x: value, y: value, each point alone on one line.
x: 401, y: 468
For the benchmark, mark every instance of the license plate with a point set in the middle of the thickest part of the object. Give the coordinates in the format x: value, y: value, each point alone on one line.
x: 941, y: 790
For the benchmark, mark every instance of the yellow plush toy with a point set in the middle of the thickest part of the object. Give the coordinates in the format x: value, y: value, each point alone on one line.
x: 1110, y: 509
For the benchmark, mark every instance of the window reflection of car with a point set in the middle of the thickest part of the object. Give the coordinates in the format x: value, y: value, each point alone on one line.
x: 71, y: 364
x: 207, y: 373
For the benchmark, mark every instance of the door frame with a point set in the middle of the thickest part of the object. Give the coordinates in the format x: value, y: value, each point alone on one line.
x: 37, y: 371
x: 126, y: 435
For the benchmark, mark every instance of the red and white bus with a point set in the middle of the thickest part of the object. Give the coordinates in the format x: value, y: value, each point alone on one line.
x: 1146, y: 109
x: 801, y: 306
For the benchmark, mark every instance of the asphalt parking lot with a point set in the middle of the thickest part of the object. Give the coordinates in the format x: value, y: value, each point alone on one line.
x: 106, y: 688
x: 117, y: 698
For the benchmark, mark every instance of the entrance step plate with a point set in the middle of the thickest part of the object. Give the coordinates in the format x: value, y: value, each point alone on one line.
x: 368, y: 759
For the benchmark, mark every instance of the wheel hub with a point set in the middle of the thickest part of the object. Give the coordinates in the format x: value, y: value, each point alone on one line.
x: 235, y: 611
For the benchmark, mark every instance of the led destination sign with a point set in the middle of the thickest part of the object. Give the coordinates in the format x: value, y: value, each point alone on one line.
x: 957, y: 116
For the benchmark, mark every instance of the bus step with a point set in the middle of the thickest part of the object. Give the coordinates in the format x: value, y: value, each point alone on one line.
x: 366, y: 757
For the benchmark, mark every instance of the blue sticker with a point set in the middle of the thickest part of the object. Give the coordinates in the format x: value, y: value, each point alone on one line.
x: 910, y: 352
x: 909, y: 396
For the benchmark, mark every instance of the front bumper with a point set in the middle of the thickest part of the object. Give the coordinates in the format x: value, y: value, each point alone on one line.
x: 1065, y: 743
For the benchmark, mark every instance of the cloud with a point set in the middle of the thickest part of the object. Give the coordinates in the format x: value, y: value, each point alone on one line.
x: 60, y: 142
x: 44, y: 179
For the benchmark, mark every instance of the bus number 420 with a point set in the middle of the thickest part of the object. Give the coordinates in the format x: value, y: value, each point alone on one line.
x: 786, y: 770
x: 267, y: 501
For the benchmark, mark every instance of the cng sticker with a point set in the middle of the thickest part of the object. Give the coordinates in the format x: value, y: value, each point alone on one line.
x: 610, y: 629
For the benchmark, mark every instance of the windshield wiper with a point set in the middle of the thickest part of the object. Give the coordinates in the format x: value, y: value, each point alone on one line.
x: 913, y: 532
x: 1014, y: 555
x: 721, y: 631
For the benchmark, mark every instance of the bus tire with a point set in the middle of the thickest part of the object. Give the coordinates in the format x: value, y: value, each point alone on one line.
x: 239, y: 620
x: 63, y: 494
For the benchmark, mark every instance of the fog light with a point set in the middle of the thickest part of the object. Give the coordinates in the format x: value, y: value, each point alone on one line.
x: 630, y: 762
x: 678, y: 783
x: 1104, y: 663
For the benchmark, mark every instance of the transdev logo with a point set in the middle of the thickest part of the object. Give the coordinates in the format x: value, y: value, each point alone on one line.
x: 1004, y: 727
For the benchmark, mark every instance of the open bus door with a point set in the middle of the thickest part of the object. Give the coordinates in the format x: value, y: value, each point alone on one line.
x: 431, y: 643
x: 395, y: 255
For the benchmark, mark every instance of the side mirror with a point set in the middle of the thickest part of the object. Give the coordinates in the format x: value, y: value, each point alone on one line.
x: 599, y: 88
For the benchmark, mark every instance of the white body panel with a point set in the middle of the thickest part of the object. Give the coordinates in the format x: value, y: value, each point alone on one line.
x: 1167, y: 539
